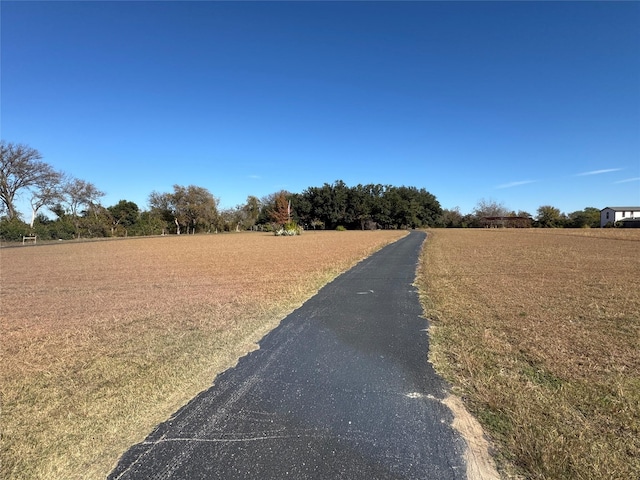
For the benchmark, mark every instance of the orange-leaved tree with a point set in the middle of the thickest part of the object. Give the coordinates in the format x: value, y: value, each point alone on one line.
x: 280, y: 211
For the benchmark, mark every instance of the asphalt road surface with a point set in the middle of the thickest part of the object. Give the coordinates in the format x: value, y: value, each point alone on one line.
x: 341, y: 389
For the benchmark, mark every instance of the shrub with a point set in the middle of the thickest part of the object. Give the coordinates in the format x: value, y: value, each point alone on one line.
x: 289, y: 229
x: 341, y: 228
x: 13, y: 230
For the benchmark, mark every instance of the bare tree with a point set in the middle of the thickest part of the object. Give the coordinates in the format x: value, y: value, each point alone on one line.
x: 20, y: 168
x: 490, y: 208
x: 46, y: 192
x: 78, y: 195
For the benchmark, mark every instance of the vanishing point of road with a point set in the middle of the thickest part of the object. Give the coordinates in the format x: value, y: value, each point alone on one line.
x: 341, y: 389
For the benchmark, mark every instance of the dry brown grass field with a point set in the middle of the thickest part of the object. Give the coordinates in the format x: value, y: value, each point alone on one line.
x: 103, y: 340
x: 539, y: 332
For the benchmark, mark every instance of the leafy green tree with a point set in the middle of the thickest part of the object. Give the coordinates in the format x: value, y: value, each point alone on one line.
x: 367, y: 206
x: 95, y: 221
x: 378, y: 207
x: 189, y: 208
x: 360, y: 203
x: 161, y: 209
x: 423, y: 208
x: 251, y: 211
x: 391, y: 207
x: 301, y: 210
x: 321, y: 201
x: 549, y: 217
x: 123, y: 215
x: 241, y: 217
x: 12, y: 229
x: 339, y: 205
x: 230, y: 219
x: 587, y: 218
x: 149, y: 224
x: 451, y: 218
x: 41, y: 227
x: 62, y: 228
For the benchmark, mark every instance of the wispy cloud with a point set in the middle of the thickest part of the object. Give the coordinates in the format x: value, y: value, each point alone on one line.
x: 634, y: 179
x: 515, y: 184
x: 598, y: 172
x: 256, y: 177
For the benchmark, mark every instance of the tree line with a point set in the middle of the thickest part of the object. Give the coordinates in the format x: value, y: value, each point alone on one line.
x: 78, y: 210
x: 365, y: 207
x: 547, y: 216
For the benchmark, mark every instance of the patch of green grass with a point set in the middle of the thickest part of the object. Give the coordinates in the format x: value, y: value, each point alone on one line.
x: 540, y: 376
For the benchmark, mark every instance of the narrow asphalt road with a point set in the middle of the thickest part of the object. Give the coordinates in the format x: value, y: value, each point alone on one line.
x: 341, y: 389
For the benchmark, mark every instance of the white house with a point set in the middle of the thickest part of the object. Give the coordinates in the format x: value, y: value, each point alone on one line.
x: 614, y: 214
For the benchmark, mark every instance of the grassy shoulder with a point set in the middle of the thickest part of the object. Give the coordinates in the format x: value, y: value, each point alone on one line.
x: 538, y: 331
x: 111, y: 338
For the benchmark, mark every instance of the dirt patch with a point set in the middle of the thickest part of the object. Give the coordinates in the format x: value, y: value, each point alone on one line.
x: 480, y: 465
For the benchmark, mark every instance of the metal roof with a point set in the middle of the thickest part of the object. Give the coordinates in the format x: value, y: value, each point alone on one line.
x: 620, y: 209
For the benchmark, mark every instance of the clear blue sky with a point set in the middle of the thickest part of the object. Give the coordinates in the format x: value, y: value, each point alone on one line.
x: 526, y: 104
